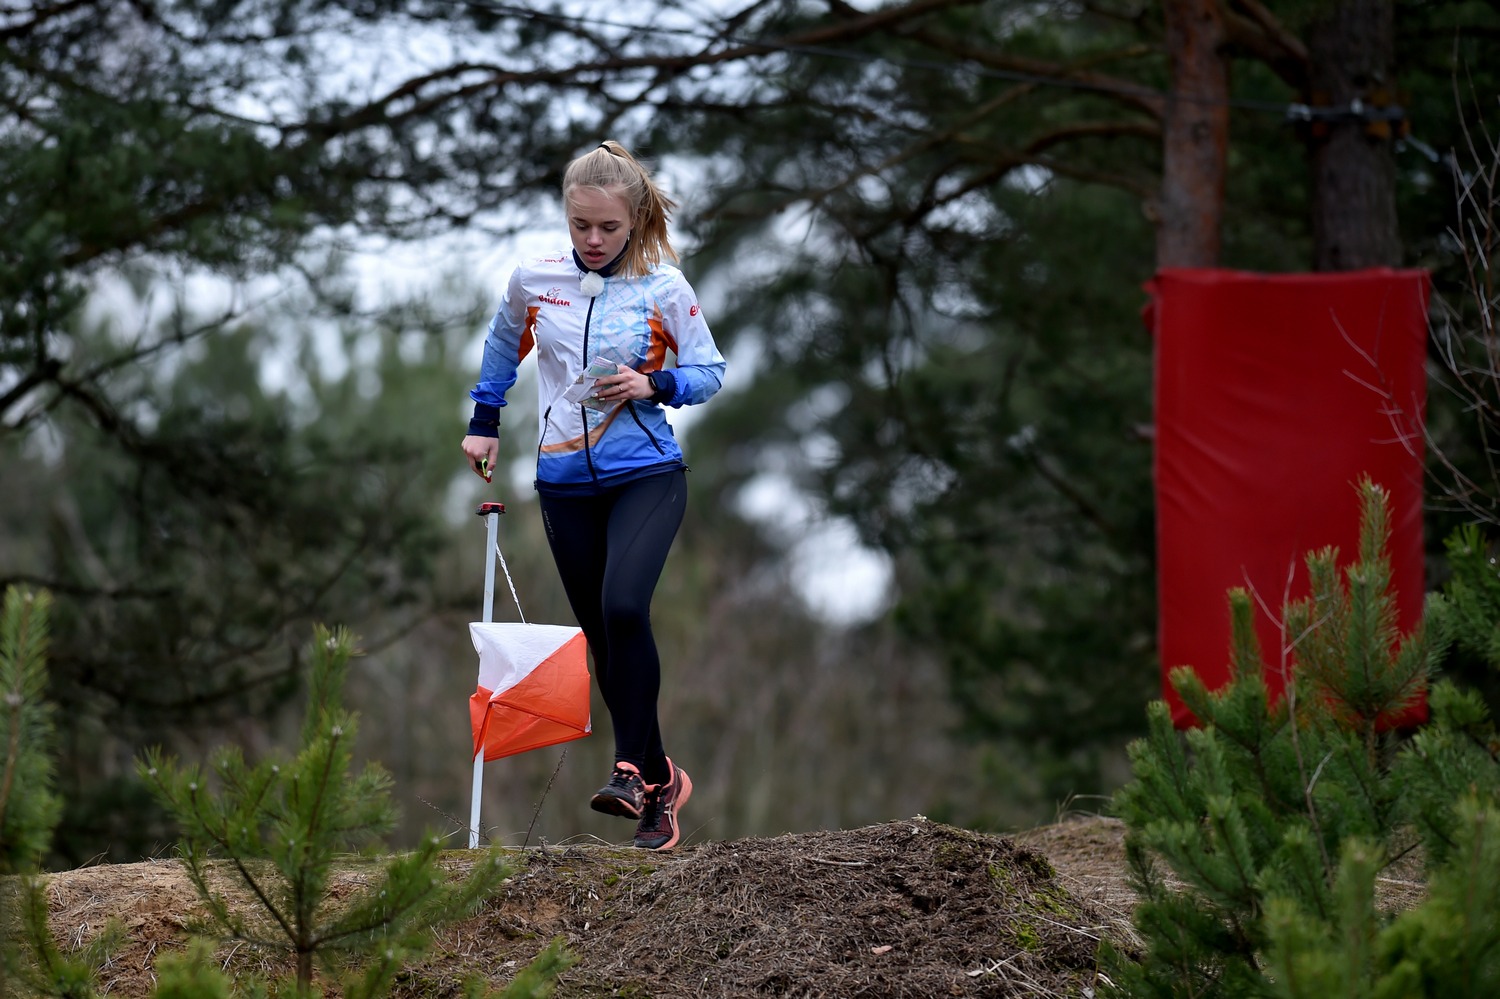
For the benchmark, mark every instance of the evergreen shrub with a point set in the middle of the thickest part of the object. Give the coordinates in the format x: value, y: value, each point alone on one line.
x: 1256, y: 840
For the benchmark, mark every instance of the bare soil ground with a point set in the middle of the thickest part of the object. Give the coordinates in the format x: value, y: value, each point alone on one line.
x: 910, y: 908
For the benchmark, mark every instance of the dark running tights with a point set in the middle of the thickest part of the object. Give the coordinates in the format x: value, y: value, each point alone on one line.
x: 610, y: 550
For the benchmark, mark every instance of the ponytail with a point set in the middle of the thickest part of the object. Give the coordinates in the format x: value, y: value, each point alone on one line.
x: 611, y: 169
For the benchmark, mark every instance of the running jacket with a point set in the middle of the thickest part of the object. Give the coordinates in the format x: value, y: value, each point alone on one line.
x: 633, y: 321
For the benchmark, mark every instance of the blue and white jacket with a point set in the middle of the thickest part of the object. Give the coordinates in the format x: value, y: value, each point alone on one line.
x: 642, y: 322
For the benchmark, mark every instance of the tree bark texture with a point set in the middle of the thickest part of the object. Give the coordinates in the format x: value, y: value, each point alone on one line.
x: 1352, y: 55
x: 1195, y: 136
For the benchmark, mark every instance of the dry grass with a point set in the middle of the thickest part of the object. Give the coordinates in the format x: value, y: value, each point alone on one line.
x: 911, y: 908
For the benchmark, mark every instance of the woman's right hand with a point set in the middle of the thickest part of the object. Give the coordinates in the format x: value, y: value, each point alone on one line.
x: 482, y: 452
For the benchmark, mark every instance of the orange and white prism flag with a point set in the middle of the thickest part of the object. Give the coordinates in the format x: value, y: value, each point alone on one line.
x: 533, y: 687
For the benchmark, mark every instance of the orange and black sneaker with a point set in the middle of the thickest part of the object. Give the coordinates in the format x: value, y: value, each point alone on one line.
x: 658, y: 828
x: 624, y: 794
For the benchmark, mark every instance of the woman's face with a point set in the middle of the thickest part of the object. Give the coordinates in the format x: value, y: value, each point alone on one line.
x: 599, y: 224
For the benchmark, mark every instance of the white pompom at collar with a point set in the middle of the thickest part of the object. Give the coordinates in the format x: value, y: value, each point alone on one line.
x: 592, y: 284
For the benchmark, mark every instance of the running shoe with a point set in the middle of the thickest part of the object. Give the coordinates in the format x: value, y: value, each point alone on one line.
x: 623, y: 795
x: 658, y: 829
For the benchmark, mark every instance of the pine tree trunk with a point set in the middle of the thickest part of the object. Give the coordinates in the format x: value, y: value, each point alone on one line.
x: 1195, y: 136
x: 1352, y: 55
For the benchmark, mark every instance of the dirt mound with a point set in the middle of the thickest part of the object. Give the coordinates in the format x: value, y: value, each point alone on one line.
x: 910, y: 908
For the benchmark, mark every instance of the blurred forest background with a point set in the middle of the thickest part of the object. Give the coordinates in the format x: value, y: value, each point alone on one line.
x: 250, y: 247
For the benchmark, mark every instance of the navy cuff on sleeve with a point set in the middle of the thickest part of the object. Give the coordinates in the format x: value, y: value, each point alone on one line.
x: 665, y: 383
x: 485, y: 422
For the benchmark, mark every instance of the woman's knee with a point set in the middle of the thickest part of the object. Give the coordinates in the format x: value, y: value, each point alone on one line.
x: 623, y: 618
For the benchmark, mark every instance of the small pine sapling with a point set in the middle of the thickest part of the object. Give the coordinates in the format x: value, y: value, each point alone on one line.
x: 1262, y: 802
x: 31, y: 963
x: 1446, y: 787
x: 279, y: 829
x: 29, y: 808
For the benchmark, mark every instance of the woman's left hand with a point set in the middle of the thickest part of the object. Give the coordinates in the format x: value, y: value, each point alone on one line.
x: 628, y: 384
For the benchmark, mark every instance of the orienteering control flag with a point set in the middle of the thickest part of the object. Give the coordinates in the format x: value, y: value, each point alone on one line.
x: 533, y: 687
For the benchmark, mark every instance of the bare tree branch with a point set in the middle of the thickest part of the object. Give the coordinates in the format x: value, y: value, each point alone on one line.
x: 1251, y: 26
x: 1080, y: 75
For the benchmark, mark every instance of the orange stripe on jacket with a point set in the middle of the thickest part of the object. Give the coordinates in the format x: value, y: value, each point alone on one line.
x: 576, y: 444
x: 528, y: 332
x: 661, y: 342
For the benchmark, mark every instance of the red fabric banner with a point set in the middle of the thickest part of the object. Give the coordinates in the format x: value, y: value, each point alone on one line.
x: 1274, y: 395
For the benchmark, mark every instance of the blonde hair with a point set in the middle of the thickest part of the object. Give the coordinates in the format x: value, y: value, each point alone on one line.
x: 610, y: 169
